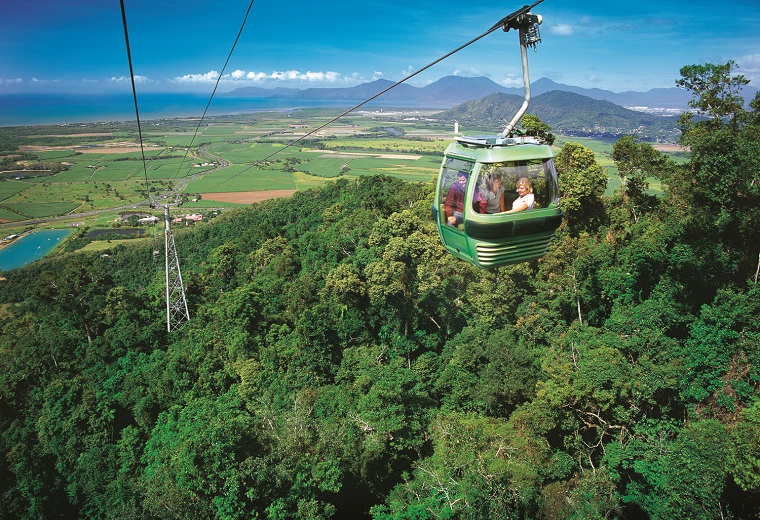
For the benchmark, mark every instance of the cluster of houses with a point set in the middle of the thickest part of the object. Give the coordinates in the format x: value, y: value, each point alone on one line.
x: 193, y: 217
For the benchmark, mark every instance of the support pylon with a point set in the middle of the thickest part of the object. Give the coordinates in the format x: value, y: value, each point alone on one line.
x: 176, y: 304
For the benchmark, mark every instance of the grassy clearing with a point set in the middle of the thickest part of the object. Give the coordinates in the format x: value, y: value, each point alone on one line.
x: 10, y: 188
x: 106, y: 245
x: 388, y: 145
x: 42, y: 209
x: 242, y: 178
x: 10, y: 216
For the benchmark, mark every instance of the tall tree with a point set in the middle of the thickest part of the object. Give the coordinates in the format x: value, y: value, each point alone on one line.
x: 635, y: 162
x: 716, y: 89
x: 720, y: 185
x: 582, y: 183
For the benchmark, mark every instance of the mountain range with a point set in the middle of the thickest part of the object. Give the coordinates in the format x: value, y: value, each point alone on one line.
x: 450, y: 91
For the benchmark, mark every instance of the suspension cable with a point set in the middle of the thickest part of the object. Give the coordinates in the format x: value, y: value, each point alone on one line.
x: 503, y: 23
x: 134, y: 96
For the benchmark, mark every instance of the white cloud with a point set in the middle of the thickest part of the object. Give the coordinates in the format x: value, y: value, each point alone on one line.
x: 561, y: 29
x: 256, y: 76
x: 329, y: 76
x: 593, y: 78
x: 287, y: 75
x: 749, y: 67
x: 512, y: 81
x: 125, y: 79
x: 198, y: 78
x: 38, y: 81
x: 10, y: 81
x: 470, y: 72
x: 241, y: 76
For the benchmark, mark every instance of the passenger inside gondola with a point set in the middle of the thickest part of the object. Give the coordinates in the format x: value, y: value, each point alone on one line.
x: 454, y: 204
x: 490, y: 194
x: 525, y: 199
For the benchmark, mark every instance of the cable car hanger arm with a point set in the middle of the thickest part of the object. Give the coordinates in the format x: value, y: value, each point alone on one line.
x: 505, y: 22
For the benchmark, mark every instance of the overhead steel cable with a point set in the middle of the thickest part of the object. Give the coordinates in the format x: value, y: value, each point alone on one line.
x: 503, y: 23
x: 216, y: 85
x: 134, y: 96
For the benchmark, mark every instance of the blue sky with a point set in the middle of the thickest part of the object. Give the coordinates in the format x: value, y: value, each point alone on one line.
x: 79, y: 46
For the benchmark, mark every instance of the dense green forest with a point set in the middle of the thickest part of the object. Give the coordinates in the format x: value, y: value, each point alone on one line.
x: 339, y: 364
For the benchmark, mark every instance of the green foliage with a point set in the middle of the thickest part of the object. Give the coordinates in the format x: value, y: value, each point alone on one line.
x: 744, y: 450
x: 716, y: 89
x: 582, y: 183
x: 480, y: 468
x: 636, y: 162
x: 534, y: 126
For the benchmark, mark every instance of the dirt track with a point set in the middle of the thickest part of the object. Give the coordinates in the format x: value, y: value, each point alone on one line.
x: 670, y: 147
x: 248, y: 197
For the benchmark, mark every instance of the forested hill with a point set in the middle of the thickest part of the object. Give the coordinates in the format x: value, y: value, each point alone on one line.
x: 567, y: 113
x: 339, y: 364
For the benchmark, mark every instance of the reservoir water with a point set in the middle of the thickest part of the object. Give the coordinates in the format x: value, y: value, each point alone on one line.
x: 31, y: 247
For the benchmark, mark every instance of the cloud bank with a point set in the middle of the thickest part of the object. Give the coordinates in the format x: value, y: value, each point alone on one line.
x: 242, y: 76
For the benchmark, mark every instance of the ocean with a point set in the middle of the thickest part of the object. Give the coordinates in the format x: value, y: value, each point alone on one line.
x: 46, y: 109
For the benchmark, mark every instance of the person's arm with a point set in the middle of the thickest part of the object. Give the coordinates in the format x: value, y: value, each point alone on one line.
x: 519, y: 205
x: 448, y: 207
x: 502, y: 204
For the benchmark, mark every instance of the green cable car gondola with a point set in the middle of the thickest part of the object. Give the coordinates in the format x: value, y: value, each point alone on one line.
x: 497, y: 197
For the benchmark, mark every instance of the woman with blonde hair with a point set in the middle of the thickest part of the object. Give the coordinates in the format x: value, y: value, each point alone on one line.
x: 525, y: 199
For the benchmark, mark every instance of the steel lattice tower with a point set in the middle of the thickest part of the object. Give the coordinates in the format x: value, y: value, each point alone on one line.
x: 176, y: 304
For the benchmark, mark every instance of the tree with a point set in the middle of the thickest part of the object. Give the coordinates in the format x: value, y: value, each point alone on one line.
x: 635, y: 161
x: 582, y: 183
x: 694, y: 473
x: 537, y: 128
x: 717, y: 89
x: 717, y: 193
x: 744, y: 450
x: 480, y: 468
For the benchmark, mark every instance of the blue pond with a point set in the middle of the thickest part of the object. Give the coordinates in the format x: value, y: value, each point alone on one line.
x: 31, y: 247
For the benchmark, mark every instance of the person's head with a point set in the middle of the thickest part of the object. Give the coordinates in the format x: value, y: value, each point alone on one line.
x: 462, y: 178
x: 524, y: 186
x: 492, y: 182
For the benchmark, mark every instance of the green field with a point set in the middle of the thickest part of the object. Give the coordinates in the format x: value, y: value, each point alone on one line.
x: 11, y: 188
x: 242, y: 178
